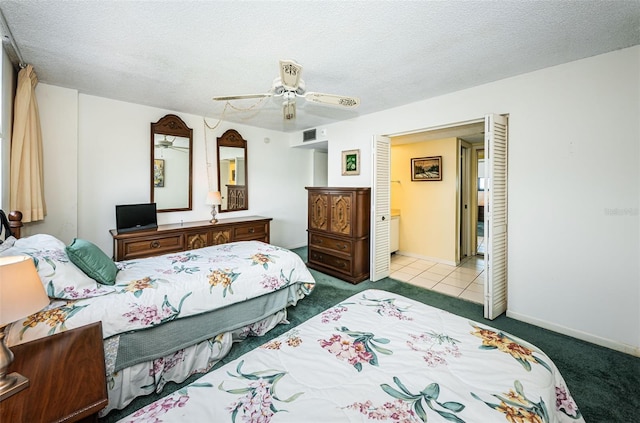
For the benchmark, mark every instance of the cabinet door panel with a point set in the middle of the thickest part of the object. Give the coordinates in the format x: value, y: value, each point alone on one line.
x: 341, y: 214
x: 318, y: 211
x: 197, y: 240
x: 220, y: 237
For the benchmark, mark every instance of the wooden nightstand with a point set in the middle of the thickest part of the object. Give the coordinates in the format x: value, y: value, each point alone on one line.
x: 66, y: 374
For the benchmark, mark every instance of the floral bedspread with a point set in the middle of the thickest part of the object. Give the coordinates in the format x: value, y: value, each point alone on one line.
x: 155, y: 290
x: 378, y: 356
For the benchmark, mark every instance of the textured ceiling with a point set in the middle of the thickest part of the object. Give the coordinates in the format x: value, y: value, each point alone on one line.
x: 177, y: 55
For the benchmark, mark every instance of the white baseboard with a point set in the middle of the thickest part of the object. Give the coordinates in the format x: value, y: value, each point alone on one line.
x: 603, y: 342
x: 433, y: 259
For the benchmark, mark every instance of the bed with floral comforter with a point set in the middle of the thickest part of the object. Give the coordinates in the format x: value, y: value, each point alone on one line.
x: 378, y: 356
x: 166, y: 316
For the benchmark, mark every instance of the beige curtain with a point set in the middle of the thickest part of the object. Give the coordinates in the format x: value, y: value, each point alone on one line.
x: 27, y: 174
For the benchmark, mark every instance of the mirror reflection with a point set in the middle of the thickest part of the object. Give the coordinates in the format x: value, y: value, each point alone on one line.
x: 171, y: 158
x: 232, y: 171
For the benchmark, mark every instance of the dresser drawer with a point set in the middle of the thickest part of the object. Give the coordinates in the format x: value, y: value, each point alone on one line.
x: 330, y: 243
x: 139, y: 248
x: 254, y: 231
x: 333, y: 262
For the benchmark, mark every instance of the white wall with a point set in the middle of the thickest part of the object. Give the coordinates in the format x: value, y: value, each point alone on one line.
x: 97, y: 155
x: 428, y: 226
x: 7, y: 93
x: 320, y: 166
x: 574, y: 188
x: 59, y: 123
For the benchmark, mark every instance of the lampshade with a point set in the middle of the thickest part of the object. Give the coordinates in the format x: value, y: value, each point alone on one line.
x: 21, y: 291
x: 214, y: 198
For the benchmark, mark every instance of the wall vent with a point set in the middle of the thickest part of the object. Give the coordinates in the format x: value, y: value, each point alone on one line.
x: 309, y: 135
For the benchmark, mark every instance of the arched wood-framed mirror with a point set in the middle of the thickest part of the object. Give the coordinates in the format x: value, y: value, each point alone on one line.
x: 171, y: 164
x: 232, y: 171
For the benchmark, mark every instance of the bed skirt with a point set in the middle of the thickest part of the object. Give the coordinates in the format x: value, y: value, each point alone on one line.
x: 148, y: 377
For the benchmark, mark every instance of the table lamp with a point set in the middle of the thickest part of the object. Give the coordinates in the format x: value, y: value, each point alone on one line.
x: 214, y: 199
x: 21, y: 294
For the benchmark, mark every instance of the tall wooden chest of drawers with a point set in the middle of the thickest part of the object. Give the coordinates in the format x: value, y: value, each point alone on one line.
x: 177, y: 237
x: 338, y: 231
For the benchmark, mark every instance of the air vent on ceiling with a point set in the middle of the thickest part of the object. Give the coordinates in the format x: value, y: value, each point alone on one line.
x: 309, y: 135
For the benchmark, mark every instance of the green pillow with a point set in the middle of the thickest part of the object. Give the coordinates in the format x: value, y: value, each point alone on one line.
x: 92, y: 261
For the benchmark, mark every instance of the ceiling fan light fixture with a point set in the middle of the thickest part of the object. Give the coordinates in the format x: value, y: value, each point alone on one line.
x: 289, y: 110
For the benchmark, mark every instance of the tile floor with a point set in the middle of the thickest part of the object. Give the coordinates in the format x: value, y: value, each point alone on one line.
x: 464, y: 281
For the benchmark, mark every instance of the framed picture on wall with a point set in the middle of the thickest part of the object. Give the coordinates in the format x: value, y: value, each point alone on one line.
x: 158, y: 173
x: 426, y: 168
x: 351, y: 162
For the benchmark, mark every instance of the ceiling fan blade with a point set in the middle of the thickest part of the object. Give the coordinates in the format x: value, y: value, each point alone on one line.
x: 332, y: 99
x: 241, y: 97
x: 290, y: 73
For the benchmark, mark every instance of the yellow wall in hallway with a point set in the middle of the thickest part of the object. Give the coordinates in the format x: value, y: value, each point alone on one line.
x: 427, y: 208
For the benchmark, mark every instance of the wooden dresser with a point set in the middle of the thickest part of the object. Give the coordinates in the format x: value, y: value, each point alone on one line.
x: 338, y: 232
x: 67, y: 381
x: 177, y: 237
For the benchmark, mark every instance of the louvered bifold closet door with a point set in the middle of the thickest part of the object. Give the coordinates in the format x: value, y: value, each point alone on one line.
x: 381, y: 209
x: 495, y: 216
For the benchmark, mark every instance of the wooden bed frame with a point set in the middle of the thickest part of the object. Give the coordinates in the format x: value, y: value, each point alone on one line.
x: 15, y: 223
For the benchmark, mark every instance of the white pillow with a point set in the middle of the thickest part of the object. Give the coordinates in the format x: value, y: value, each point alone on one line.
x: 60, y: 277
x: 7, y: 243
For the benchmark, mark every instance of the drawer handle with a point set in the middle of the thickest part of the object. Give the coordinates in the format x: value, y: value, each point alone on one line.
x: 341, y: 246
x: 251, y: 230
x: 155, y: 244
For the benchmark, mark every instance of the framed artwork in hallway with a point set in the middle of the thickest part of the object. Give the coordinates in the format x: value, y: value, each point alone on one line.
x: 426, y: 168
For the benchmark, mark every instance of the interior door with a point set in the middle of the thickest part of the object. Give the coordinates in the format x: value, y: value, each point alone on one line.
x: 464, y: 200
x: 495, y: 216
x: 381, y: 209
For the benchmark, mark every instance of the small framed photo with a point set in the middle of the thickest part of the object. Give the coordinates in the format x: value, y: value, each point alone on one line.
x: 158, y: 173
x: 351, y: 162
x: 426, y: 168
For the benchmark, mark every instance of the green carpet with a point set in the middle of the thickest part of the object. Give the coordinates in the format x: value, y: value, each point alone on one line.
x: 603, y: 382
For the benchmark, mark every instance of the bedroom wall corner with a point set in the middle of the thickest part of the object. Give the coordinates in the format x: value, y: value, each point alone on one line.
x: 59, y: 124
x: 7, y: 93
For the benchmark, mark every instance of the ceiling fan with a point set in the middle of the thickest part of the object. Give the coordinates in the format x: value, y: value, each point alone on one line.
x: 289, y: 85
x: 164, y: 143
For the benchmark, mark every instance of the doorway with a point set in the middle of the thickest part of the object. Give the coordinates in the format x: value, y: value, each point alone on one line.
x: 494, y: 134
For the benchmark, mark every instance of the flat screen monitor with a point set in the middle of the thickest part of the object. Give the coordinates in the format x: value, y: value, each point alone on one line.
x: 136, y: 217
